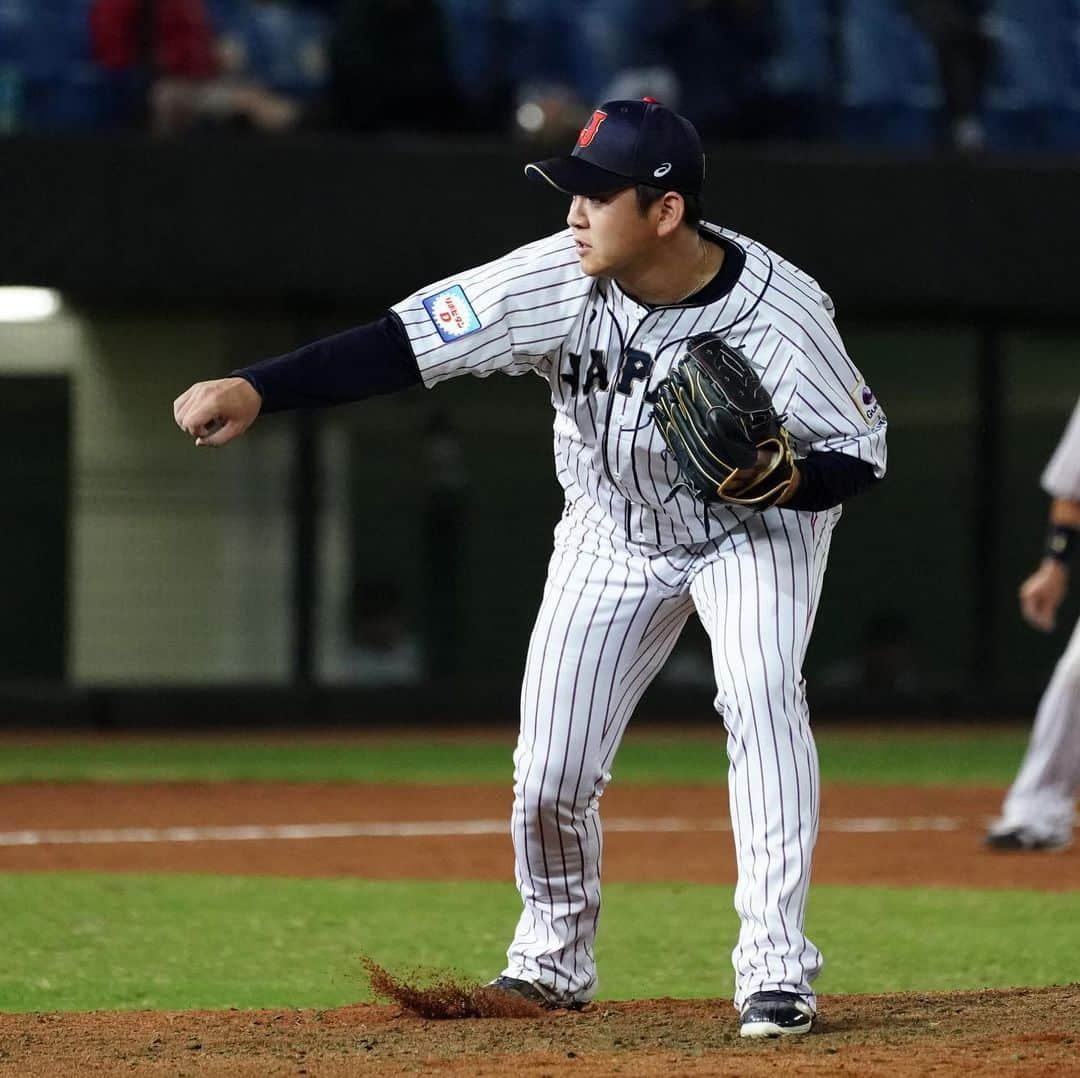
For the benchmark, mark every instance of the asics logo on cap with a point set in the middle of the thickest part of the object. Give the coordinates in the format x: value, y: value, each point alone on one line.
x: 663, y: 170
x: 588, y: 132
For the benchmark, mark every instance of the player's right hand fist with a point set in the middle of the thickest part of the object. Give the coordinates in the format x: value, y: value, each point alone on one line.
x: 214, y: 413
x: 1041, y: 594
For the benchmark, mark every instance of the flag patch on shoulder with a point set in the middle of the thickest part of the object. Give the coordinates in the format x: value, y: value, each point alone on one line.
x: 452, y: 313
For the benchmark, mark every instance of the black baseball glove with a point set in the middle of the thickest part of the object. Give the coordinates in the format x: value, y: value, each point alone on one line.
x: 716, y: 417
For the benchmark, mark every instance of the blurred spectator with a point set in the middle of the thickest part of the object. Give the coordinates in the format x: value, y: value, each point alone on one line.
x: 1034, y: 92
x: 277, y: 45
x: 169, y: 37
x: 801, y: 74
x: 164, y: 58
x: 888, y: 86
x: 970, y: 73
x: 690, y: 666
x: 721, y: 51
x: 887, y: 669
x: 476, y: 39
x: 957, y: 30
x: 48, y: 79
x: 445, y: 545
x: 707, y: 57
x: 153, y: 48
x: 389, y: 68
x: 383, y: 649
x: 568, y: 55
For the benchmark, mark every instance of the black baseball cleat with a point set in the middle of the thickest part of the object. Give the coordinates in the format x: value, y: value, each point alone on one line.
x: 1023, y: 838
x: 775, y: 1014
x: 533, y: 993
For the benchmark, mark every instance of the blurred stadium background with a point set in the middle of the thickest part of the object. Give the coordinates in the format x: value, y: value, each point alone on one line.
x: 190, y: 185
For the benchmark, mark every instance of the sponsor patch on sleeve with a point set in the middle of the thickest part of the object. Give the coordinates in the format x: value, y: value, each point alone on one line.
x: 866, y: 402
x: 452, y: 313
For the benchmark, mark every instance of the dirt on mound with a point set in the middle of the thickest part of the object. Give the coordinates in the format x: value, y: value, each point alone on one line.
x: 446, y: 997
x: 1024, y: 1033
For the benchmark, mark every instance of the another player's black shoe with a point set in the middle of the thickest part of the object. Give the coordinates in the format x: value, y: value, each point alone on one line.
x: 1023, y: 838
x: 775, y: 1014
x: 533, y: 993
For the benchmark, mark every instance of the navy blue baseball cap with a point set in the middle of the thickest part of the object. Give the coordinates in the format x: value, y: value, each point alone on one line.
x: 625, y: 143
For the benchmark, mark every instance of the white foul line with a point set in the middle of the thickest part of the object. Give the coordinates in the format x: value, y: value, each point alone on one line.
x: 430, y: 828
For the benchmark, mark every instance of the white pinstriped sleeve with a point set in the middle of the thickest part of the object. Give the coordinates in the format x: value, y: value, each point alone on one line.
x: 830, y: 408
x: 510, y: 315
x: 1061, y: 478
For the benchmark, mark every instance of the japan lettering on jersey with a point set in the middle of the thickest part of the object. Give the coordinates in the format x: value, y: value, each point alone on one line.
x: 603, y: 354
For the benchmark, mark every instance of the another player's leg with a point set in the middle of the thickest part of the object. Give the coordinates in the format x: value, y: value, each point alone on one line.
x: 605, y: 627
x: 1039, y: 807
x: 757, y: 599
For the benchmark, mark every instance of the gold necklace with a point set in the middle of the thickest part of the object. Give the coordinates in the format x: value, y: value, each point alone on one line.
x: 701, y: 281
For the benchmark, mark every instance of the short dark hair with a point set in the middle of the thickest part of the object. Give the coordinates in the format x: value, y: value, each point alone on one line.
x: 694, y: 211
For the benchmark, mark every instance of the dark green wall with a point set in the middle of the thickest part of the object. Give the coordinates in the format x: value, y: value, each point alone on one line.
x: 923, y: 255
x: 366, y: 220
x: 907, y: 548
x: 34, y: 479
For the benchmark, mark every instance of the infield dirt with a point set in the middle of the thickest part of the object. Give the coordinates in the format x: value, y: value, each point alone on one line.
x: 1025, y: 1033
x: 906, y: 855
x: 1020, y: 1032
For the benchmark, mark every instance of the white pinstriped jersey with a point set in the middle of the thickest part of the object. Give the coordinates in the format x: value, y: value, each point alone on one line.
x: 603, y: 354
x: 1061, y: 478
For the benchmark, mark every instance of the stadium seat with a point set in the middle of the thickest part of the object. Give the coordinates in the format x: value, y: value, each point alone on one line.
x: 1032, y: 99
x: 800, y: 76
x: 473, y: 31
x: 889, y: 87
x: 282, y: 47
x: 801, y: 64
x: 1066, y: 120
x: 62, y: 89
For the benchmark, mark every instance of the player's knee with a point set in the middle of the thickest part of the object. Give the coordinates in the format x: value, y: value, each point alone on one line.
x: 775, y: 696
x: 556, y: 801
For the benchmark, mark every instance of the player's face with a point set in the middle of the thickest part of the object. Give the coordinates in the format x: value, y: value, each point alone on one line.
x: 613, y: 237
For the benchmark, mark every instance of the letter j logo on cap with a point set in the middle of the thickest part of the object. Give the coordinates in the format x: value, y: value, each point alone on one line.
x: 588, y: 132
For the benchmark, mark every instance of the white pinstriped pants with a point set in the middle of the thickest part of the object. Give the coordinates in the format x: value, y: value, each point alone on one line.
x: 609, y: 618
x: 1043, y: 797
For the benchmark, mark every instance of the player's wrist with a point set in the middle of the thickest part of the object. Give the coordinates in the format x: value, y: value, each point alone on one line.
x: 1061, y: 544
x: 245, y: 378
x: 793, y: 484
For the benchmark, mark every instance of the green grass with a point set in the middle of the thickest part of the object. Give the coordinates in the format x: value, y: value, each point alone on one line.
x: 974, y: 757
x: 80, y: 941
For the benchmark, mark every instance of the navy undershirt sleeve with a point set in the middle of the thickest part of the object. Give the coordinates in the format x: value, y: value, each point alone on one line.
x: 827, y: 479
x: 363, y: 362
x: 377, y: 358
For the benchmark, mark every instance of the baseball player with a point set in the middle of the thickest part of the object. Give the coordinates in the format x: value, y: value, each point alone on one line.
x: 604, y: 312
x: 1039, y: 807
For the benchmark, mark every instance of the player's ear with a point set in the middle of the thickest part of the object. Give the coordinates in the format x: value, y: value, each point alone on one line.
x: 670, y: 212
